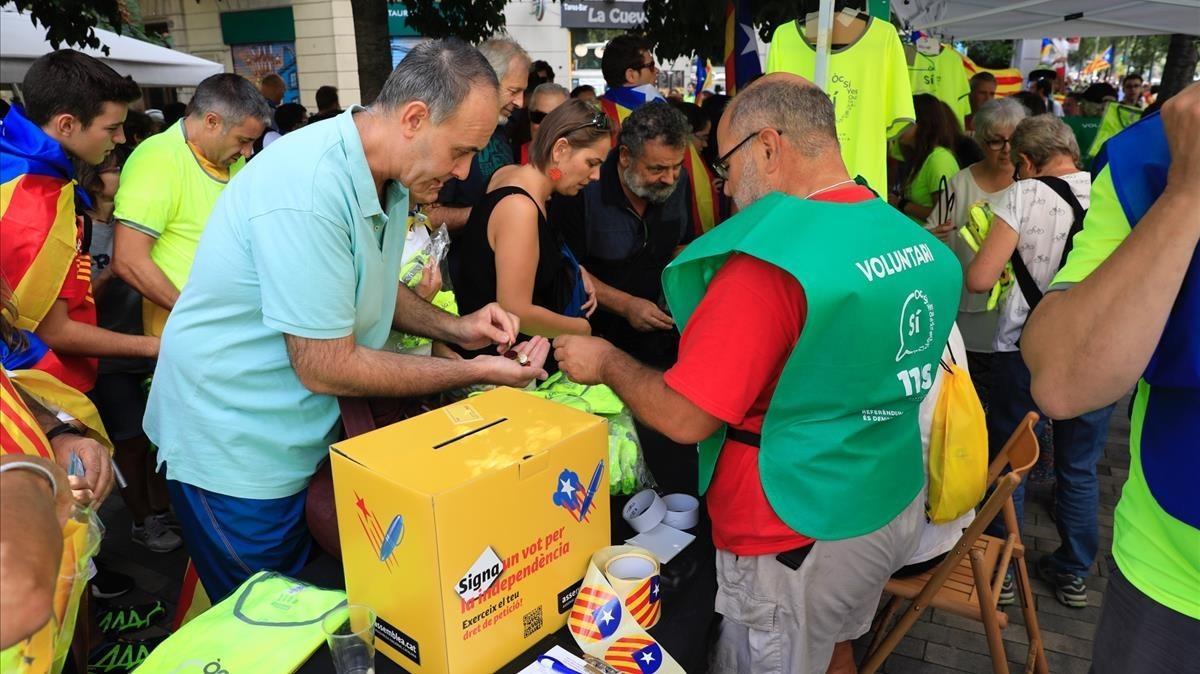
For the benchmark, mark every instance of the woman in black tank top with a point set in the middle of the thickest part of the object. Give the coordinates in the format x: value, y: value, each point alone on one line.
x: 508, y: 253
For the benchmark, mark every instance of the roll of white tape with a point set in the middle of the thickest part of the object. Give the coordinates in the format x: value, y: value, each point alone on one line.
x: 634, y: 577
x: 683, y: 511
x: 644, y: 511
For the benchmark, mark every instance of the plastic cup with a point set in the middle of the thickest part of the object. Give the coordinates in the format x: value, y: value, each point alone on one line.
x: 350, y: 633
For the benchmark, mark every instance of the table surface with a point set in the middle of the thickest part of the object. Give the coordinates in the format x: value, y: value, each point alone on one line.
x: 685, y: 629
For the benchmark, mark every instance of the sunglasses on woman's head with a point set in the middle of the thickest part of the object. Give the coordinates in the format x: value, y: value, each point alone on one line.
x: 598, y: 121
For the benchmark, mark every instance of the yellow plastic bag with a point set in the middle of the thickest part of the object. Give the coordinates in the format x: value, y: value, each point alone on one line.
x: 979, y: 223
x: 958, y: 448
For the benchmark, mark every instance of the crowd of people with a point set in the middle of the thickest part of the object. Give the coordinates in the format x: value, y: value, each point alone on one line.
x: 192, y: 295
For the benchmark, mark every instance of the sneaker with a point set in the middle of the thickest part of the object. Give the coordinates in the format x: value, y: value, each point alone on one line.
x: 1008, y: 590
x: 155, y: 536
x: 120, y: 656
x: 167, y: 517
x: 1070, y: 589
x: 116, y: 620
x: 107, y: 584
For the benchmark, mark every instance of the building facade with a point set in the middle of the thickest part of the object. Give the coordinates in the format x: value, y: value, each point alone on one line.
x: 311, y: 42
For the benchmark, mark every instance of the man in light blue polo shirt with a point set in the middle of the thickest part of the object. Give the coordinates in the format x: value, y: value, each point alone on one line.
x: 293, y: 291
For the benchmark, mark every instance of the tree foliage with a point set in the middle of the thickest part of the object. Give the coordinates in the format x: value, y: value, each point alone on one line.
x: 73, y: 23
x: 990, y: 53
x: 471, y: 20
x: 699, y: 27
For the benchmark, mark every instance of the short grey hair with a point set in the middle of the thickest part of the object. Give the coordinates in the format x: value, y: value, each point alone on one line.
x: 1041, y: 138
x: 500, y: 52
x: 546, y: 89
x: 657, y: 120
x: 232, y: 97
x: 1001, y: 113
x: 802, y: 113
x: 440, y: 74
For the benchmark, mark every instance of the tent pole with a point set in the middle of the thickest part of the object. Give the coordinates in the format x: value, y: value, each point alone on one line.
x: 824, y: 37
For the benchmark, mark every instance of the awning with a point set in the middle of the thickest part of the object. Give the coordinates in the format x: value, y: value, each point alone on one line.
x: 1003, y: 20
x: 21, y: 42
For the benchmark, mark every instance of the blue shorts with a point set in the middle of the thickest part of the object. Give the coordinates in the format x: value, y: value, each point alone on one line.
x: 231, y: 539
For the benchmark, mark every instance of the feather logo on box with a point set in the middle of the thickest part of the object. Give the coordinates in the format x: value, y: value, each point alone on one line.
x: 383, y: 543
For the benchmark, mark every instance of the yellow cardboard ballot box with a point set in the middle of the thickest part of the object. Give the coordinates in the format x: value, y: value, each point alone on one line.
x: 469, y: 528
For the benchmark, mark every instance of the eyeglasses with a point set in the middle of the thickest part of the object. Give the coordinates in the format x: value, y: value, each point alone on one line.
x: 598, y: 121
x: 536, y: 116
x: 721, y: 165
x: 997, y: 144
x: 650, y: 64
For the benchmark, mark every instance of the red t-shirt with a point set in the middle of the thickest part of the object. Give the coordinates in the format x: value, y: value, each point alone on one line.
x: 81, y: 307
x: 733, y: 379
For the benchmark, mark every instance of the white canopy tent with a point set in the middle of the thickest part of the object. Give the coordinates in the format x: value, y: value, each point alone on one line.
x: 1007, y: 20
x: 21, y: 42
x: 1000, y: 20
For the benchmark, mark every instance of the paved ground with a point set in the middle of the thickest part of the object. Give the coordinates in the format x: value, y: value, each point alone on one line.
x: 939, y: 643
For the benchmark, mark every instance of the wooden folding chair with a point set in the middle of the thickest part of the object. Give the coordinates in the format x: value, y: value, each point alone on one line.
x: 967, y: 582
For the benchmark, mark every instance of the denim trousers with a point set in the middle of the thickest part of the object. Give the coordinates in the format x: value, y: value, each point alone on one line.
x: 1078, y: 446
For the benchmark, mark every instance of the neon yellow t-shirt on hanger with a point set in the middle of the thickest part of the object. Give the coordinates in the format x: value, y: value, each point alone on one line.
x: 945, y: 77
x: 869, y: 85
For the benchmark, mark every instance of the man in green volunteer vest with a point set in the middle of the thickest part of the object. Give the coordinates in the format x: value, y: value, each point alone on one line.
x: 812, y: 324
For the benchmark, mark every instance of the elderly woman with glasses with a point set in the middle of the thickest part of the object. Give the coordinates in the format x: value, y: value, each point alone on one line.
x: 509, y: 253
x: 983, y: 182
x: 1034, y: 226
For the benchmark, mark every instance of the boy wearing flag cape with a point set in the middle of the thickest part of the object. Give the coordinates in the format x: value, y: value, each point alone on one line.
x: 74, y: 110
x: 806, y: 351
x: 1129, y: 312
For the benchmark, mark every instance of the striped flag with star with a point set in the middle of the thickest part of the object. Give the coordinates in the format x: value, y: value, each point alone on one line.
x: 635, y: 655
x: 643, y: 603
x: 596, y: 614
x: 741, y: 47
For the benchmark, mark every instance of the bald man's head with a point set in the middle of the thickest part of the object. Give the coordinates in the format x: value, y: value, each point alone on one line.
x: 273, y: 88
x: 791, y: 104
x: 776, y: 135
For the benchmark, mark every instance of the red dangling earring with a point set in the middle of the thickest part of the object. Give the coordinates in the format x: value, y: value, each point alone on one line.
x: 555, y: 174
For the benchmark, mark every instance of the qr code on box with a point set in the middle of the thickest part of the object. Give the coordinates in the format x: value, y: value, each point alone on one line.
x: 532, y: 621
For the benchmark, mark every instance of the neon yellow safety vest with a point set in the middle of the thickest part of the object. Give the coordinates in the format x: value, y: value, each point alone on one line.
x: 269, y: 625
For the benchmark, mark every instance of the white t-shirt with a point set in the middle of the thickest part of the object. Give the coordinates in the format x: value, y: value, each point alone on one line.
x: 978, y: 325
x: 1042, y: 220
x: 939, y: 538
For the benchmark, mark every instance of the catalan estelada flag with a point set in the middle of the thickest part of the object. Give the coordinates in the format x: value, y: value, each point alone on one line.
x: 643, y: 603
x: 1099, y: 62
x: 1008, y: 80
x: 193, y: 599
x: 705, y: 199
x: 38, y: 231
x: 704, y: 75
x: 20, y: 431
x: 741, y: 47
x: 634, y: 655
x: 596, y: 614
x: 618, y: 102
